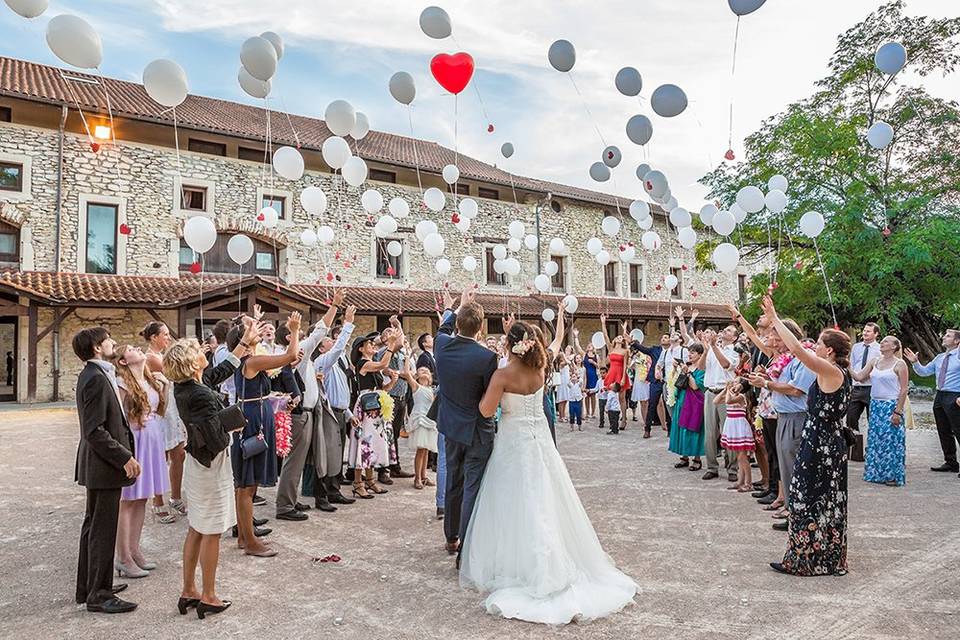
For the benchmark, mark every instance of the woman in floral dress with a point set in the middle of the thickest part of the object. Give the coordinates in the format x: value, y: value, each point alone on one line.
x: 818, y: 491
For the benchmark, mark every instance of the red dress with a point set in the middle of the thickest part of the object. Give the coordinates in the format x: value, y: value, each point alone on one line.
x: 615, y: 372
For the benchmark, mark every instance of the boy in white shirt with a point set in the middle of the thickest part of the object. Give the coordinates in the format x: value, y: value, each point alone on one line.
x: 613, y: 409
x: 575, y: 399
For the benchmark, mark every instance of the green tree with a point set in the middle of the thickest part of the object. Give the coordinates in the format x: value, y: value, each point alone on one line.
x: 891, y: 247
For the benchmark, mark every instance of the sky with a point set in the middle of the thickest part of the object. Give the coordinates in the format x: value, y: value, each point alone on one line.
x: 557, y: 122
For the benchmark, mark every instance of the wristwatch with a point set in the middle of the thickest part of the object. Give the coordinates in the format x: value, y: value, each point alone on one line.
x: 766, y: 384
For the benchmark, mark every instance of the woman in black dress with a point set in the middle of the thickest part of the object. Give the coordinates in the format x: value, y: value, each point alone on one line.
x: 818, y: 492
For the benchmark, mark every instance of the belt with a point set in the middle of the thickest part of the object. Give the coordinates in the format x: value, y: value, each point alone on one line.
x: 716, y: 391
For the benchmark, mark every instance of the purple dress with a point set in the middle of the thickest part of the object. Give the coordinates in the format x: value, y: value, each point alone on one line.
x: 149, y: 442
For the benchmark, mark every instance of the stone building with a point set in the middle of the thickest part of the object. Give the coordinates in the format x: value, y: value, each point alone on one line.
x: 93, y: 202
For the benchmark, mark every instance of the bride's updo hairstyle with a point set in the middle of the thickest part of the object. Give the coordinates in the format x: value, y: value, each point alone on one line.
x: 524, y: 344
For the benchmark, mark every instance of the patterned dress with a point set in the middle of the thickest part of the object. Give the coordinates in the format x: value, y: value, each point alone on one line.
x: 886, y: 454
x: 818, y: 491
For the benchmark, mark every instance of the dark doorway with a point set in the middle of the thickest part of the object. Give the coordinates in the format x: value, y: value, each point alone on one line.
x: 8, y: 347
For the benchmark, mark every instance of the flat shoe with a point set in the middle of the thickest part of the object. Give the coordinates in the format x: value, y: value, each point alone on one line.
x: 266, y: 553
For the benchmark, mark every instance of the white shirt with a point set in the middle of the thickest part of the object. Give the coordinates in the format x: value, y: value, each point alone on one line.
x: 856, y: 357
x: 667, y: 357
x: 613, y: 401
x: 228, y: 387
x: 715, y: 376
x: 306, y: 369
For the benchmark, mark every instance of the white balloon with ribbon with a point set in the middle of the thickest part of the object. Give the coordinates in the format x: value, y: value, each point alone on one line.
x: 199, y: 233
x: 340, y: 117
x: 726, y: 257
x: 259, y: 57
x: 335, y: 152
x: 74, y: 41
x: 288, y: 163
x: 434, y: 199
x: 240, y: 248
x: 313, y: 200
x: 354, y: 171
x: 166, y: 82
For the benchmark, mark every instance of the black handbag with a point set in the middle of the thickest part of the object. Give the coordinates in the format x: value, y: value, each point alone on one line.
x: 232, y: 418
x: 682, y: 381
x: 253, y: 446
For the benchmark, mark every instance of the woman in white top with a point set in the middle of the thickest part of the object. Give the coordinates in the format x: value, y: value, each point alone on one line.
x: 422, y: 430
x: 886, y: 456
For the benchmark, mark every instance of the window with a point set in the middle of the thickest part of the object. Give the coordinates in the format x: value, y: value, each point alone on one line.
x: 492, y: 276
x: 463, y: 189
x: 383, y: 322
x: 9, y: 243
x: 205, y: 146
x: 11, y: 176
x: 275, y: 201
x: 610, y: 278
x: 253, y: 155
x: 489, y: 194
x: 495, y: 326
x: 742, y: 285
x: 556, y: 206
x: 263, y: 261
x: 216, y: 260
x: 613, y: 329
x: 193, y: 198
x: 382, y: 176
x: 5, y: 114
x: 636, y: 280
x: 677, y: 291
x: 388, y: 266
x: 559, y: 279
x: 101, y: 238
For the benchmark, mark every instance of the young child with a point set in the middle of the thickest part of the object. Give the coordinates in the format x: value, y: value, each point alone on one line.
x: 422, y: 430
x: 613, y: 409
x: 737, y: 434
x: 601, y: 396
x: 575, y: 401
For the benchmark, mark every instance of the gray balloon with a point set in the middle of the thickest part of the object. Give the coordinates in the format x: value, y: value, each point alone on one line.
x: 562, y: 55
x: 668, y: 100
x: 402, y: 88
x: 642, y: 171
x: 507, y: 149
x: 743, y: 7
x: 612, y: 156
x: 639, y: 129
x: 599, y: 172
x: 628, y: 81
x: 435, y: 22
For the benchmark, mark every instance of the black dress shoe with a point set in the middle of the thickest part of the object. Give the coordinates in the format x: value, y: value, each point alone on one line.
x: 384, y: 478
x: 203, y: 608
x: 112, y: 605
x: 400, y: 473
x: 258, y: 501
x: 293, y: 516
x: 783, y: 525
x: 261, y: 531
x: 759, y: 494
x: 259, y: 522
x: 339, y: 498
x: 302, y: 507
x: 117, y: 588
x: 770, y: 498
x: 709, y: 475
x: 945, y: 467
x: 439, y: 513
x: 325, y: 506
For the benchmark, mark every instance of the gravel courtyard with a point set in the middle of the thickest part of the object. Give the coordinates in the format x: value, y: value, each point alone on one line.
x: 699, y: 553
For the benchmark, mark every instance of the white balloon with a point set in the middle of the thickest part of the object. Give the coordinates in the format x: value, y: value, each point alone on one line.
x: 512, y: 266
x: 434, y: 199
x: 594, y: 245
x: 442, y: 266
x: 28, y: 8
x: 514, y: 244
x: 738, y: 213
x: 288, y: 163
x: 530, y: 241
x: 668, y: 100
x: 775, y: 201
x: 556, y: 245
x: 463, y: 225
x: 639, y: 129
x: 516, y: 229
x: 313, y: 200
x: 639, y: 210
x: 598, y: 340
x: 680, y: 217
x: 340, y: 117
x: 610, y: 226
x: 354, y: 171
x: 435, y: 22
x: 750, y: 199
x: 240, y: 248
x: 642, y: 170
x: 542, y: 283
x: 671, y: 282
x: 551, y: 268
x: 628, y: 253
x: 890, y: 58
x: 253, y: 87
x: 270, y: 217
x: 637, y: 335
x: 726, y: 257
x: 389, y: 223
x: 880, y: 135
x: 812, y: 224
x: 670, y: 204
x: 506, y: 149
x: 398, y: 208
x: 433, y: 245
x: 602, y: 257
x: 380, y: 230
x: 275, y: 40
x: 687, y: 237
x: 499, y: 252
x: 777, y: 182
x: 325, y: 234
x: 394, y: 248
x: 425, y: 228
x: 74, y: 41
x: 166, y: 82
x: 361, y: 128
x: 307, y: 237
x: 628, y: 81
x: 707, y: 212
x: 655, y: 183
x: 402, y: 87
x: 200, y: 233
x: 469, y: 263
x: 724, y: 223
x: 548, y: 315
x: 468, y: 208
x: 259, y: 58
x: 562, y: 55
x: 612, y: 156
x: 645, y: 223
x: 651, y: 241
x: 499, y: 266
x: 570, y: 304
x: 451, y: 174
x: 335, y: 152
x: 371, y: 201
x: 599, y: 172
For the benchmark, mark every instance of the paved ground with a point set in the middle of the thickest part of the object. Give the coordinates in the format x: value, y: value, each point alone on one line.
x: 699, y: 553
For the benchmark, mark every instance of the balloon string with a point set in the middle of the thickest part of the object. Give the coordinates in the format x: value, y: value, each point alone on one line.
x: 770, y: 256
x: 476, y: 87
x: 733, y: 73
x: 416, y: 154
x: 456, y: 140
x: 113, y: 133
x: 586, y: 108
x: 176, y: 145
x: 240, y: 290
x: 202, y: 269
x: 825, y: 282
x: 283, y: 106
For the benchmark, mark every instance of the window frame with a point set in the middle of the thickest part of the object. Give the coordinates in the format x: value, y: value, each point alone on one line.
x: 462, y: 189
x: 500, y: 279
x: 249, y: 151
x: 641, y: 271
x: 116, y: 237
x: 380, y: 254
x: 7, y: 229
x: 562, y: 274
x: 203, y: 191
x: 742, y: 286
x: 25, y: 162
x: 192, y: 143
x: 6, y: 113
x: 18, y: 187
x: 485, y: 192
x: 610, y: 275
x: 381, y: 175
x: 677, y: 292
x: 222, y: 263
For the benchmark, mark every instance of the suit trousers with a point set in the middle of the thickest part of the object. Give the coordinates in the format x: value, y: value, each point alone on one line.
x: 465, y: 465
x: 714, y: 415
x: 858, y: 403
x: 98, y: 539
x: 789, y: 429
x: 301, y: 435
x: 946, y: 414
x: 770, y: 444
x: 441, y: 472
x: 656, y: 393
x: 399, y: 423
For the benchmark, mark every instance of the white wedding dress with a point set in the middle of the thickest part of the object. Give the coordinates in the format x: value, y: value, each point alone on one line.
x: 530, y: 544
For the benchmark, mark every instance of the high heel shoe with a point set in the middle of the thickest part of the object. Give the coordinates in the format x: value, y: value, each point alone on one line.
x: 203, y: 608
x: 360, y: 492
x: 178, y: 506
x: 373, y: 486
x: 125, y: 571
x: 142, y: 562
x: 161, y: 514
x: 185, y: 604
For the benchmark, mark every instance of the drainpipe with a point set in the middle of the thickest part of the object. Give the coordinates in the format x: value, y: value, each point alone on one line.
x: 545, y: 200
x: 55, y: 340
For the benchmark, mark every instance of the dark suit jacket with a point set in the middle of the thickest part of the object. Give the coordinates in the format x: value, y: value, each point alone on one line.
x: 654, y: 352
x: 199, y: 406
x: 106, y: 442
x: 464, y: 369
x: 426, y: 360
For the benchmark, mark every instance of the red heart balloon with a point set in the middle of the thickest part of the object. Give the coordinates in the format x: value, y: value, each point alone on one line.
x: 452, y: 72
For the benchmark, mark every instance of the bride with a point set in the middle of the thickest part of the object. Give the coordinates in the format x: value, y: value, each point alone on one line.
x: 530, y: 544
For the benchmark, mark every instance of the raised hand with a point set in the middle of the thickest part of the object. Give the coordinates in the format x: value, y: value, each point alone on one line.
x: 678, y: 311
x: 395, y: 321
x: 447, y: 299
x: 349, y: 313
x: 734, y: 312
x: 910, y: 355
x: 337, y: 298
x: 508, y: 322
x: 293, y: 322
x: 257, y: 312
x: 768, y: 309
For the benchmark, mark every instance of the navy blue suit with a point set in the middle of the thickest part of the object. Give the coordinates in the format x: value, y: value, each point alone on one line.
x: 656, y: 386
x: 464, y: 369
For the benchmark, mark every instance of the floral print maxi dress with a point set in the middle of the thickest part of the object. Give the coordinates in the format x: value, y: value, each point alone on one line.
x: 818, y: 491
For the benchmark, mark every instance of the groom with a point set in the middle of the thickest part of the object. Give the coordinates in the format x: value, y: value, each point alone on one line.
x: 464, y: 369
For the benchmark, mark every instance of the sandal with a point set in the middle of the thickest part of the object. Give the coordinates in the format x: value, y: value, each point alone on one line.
x: 684, y: 462
x: 783, y: 514
x: 417, y: 484
x: 696, y: 466
x: 773, y: 507
x: 427, y: 482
